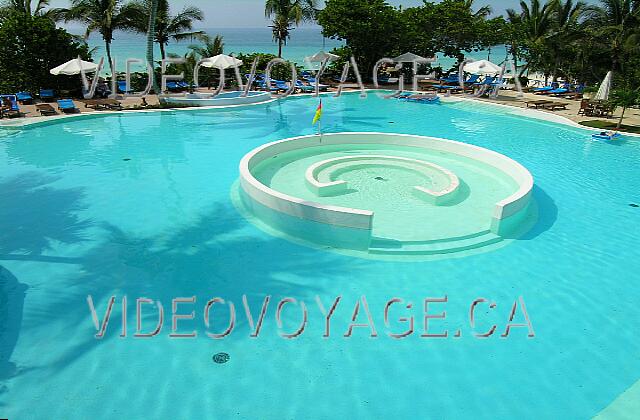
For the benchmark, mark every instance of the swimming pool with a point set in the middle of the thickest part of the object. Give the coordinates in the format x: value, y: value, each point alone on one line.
x: 141, y: 205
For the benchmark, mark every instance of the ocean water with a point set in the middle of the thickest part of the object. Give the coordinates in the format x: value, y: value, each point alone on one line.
x: 139, y: 204
x: 305, y: 41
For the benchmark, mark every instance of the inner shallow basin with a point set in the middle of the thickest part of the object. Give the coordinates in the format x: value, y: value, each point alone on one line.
x: 386, y: 193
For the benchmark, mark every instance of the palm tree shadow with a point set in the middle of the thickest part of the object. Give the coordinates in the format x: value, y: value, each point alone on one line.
x: 215, y: 255
x: 24, y: 229
x: 12, y: 294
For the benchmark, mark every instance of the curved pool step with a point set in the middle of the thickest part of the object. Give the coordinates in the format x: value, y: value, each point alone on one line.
x: 431, y: 247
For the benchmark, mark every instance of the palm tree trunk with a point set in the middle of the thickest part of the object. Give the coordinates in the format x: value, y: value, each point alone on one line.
x: 150, y: 35
x: 279, y: 47
x: 162, y: 53
x: 108, y: 49
x: 624, y: 108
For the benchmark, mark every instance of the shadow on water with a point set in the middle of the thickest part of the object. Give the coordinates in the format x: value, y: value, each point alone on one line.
x: 547, y: 214
x: 33, y: 214
x: 12, y: 294
x: 215, y: 254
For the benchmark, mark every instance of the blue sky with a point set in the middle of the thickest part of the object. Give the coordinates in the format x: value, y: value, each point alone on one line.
x: 250, y: 13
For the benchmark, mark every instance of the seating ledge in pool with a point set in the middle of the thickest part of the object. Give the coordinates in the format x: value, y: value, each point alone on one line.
x: 506, y: 213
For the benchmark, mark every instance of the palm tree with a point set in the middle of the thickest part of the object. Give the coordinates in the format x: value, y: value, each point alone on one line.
x: 288, y: 13
x: 41, y: 8
x: 210, y: 47
x: 514, y: 34
x: 481, y: 13
x: 103, y: 16
x: 568, y: 18
x: 536, y: 22
x: 166, y: 26
x: 625, y: 97
x: 617, y: 22
x: 151, y: 29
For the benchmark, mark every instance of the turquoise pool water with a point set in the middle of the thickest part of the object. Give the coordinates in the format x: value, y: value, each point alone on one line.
x: 139, y: 205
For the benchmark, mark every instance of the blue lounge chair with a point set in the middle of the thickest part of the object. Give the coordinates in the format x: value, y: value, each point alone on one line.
x: 10, y: 106
x: 561, y: 90
x: 67, y: 106
x: 24, y: 97
x: 122, y: 87
x: 263, y: 85
x: 175, y: 86
x: 303, y: 87
x: 450, y: 88
x: 488, y: 81
x: 47, y: 95
x: 472, y: 79
x: 546, y: 89
x: 281, y: 85
x: 450, y: 80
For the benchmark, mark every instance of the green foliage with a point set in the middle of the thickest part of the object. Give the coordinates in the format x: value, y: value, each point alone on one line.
x: 452, y: 28
x: 371, y: 29
x: 29, y: 47
x: 167, y: 27
x: 574, y: 40
x: 104, y: 17
x: 286, y: 14
x: 625, y: 97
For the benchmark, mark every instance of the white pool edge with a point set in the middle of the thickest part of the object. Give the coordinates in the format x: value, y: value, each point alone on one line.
x: 517, y: 111
x: 363, y: 219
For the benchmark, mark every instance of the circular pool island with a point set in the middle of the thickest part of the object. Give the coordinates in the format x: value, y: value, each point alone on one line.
x: 380, y: 193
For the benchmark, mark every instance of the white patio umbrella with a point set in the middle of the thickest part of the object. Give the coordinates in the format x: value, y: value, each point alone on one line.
x: 221, y: 61
x: 411, y: 58
x: 74, y: 67
x: 605, y: 87
x: 320, y: 56
x: 482, y: 67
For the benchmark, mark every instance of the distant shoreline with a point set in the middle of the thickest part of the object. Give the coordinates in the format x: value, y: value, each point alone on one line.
x: 305, y: 41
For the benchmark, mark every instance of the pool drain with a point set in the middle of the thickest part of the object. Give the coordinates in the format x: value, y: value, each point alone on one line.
x: 221, y: 358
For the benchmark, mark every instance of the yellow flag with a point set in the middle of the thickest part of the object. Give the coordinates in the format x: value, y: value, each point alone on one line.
x: 318, y: 113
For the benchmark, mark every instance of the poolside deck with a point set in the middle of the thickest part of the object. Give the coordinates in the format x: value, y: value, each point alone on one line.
x: 505, y: 97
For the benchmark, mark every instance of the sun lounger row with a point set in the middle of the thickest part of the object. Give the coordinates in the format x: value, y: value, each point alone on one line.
x: 281, y: 85
x: 550, y: 105
x: 103, y: 104
x: 555, y: 89
x: 9, y: 106
x: 26, y: 98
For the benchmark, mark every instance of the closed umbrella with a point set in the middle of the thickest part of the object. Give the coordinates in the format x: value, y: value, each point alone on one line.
x: 605, y: 87
x: 482, y: 67
x: 222, y: 62
x: 74, y: 66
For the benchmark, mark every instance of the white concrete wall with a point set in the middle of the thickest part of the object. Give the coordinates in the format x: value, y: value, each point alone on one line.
x: 362, y: 219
